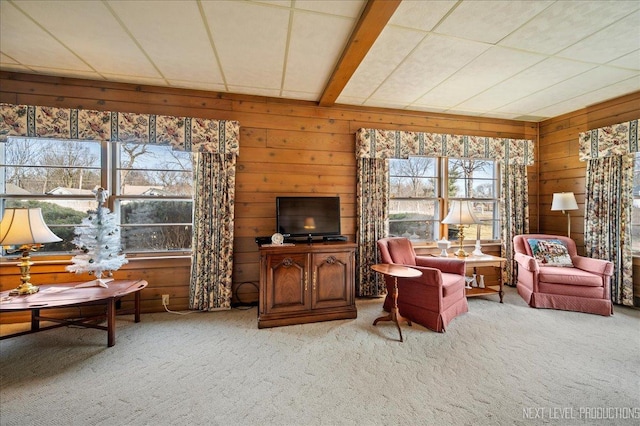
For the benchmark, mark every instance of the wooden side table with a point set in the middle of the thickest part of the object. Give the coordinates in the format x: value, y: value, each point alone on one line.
x: 395, y: 271
x: 481, y: 261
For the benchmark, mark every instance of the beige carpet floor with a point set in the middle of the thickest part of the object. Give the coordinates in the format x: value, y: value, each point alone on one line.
x: 500, y: 364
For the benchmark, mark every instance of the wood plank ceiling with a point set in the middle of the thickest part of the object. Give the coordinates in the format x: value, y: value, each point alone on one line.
x: 524, y: 60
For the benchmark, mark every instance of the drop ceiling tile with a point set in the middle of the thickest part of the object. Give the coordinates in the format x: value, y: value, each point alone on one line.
x: 506, y: 116
x: 135, y: 79
x: 197, y: 85
x: 29, y: 44
x: 428, y: 109
x: 250, y: 39
x: 63, y: 72
x: 434, y: 60
x: 173, y: 36
x: 630, y: 61
x: 589, y: 81
x: 596, y: 96
x: 281, y: 3
x: 348, y: 8
x: 540, y: 76
x: 257, y: 91
x: 609, y: 43
x: 381, y: 103
x: 4, y: 59
x: 565, y: 23
x: 13, y: 67
x: 488, y: 69
x: 489, y: 21
x: 301, y: 96
x: 389, y: 50
x: 93, y: 34
x: 315, y: 46
x: 421, y: 15
x: 349, y: 100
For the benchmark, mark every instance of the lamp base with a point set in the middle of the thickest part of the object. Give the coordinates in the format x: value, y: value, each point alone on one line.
x: 461, y: 253
x: 478, y: 250
x: 23, y: 289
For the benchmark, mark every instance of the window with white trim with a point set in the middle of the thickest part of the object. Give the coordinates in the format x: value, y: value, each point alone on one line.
x: 420, y: 188
x: 150, y: 188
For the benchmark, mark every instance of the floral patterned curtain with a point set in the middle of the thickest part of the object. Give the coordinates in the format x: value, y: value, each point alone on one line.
x: 215, y: 141
x: 373, y: 221
x: 514, y: 211
x: 609, y: 153
x: 212, y: 265
x: 385, y: 144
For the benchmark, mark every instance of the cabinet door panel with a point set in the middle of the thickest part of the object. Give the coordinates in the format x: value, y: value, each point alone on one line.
x: 332, y: 282
x: 287, y: 285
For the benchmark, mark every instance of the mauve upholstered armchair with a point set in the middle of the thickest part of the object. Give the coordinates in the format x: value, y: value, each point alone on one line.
x: 583, y: 287
x: 433, y: 299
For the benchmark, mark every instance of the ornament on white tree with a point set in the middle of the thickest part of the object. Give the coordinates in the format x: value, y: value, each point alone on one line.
x: 98, y: 237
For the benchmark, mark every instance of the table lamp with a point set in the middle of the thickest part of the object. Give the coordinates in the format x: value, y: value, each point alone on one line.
x: 309, y: 225
x: 565, y: 201
x: 26, y: 229
x: 460, y: 214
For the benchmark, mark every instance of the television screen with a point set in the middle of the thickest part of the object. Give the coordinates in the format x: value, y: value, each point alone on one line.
x: 304, y: 216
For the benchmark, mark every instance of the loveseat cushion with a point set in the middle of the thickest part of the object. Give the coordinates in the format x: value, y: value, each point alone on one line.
x: 571, y: 276
x: 550, y: 252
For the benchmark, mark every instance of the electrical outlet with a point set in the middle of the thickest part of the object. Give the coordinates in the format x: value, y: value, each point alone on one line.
x: 165, y: 299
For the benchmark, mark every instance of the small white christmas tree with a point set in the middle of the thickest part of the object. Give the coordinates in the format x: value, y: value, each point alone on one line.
x: 99, y: 240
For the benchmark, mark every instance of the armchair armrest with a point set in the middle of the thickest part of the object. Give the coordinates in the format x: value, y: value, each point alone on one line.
x: 596, y: 266
x: 526, y: 262
x: 450, y: 266
x: 430, y: 276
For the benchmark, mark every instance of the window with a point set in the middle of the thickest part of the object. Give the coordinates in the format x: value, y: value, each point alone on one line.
x: 150, y: 186
x: 477, y: 181
x: 154, y: 197
x: 418, y: 194
x: 414, y: 198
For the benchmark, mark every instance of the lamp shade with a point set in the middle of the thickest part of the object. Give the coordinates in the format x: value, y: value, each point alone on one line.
x: 309, y: 223
x: 460, y: 213
x: 25, y: 226
x: 564, y: 201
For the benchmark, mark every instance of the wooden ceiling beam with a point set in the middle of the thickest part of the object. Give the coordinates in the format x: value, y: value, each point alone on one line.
x: 374, y: 18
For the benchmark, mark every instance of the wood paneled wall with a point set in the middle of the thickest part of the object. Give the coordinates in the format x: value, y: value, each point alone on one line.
x: 286, y: 148
x: 559, y: 169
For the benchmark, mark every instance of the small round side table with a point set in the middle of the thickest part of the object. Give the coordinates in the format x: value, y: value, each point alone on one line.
x: 395, y: 271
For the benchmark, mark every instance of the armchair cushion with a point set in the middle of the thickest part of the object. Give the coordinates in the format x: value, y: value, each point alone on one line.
x: 571, y: 276
x: 401, y: 251
x: 550, y: 252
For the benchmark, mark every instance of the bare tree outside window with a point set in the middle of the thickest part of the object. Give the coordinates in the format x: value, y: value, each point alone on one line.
x: 152, y: 188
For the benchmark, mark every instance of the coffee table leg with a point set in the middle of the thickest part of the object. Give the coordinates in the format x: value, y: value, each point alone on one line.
x: 111, y: 321
x: 137, y: 306
x: 501, y: 293
x: 35, y: 319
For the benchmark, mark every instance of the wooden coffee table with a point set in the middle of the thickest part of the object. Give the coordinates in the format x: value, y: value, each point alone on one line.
x: 67, y: 296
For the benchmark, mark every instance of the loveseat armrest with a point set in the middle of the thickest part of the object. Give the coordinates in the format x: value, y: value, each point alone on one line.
x: 596, y: 266
x: 526, y: 262
x: 451, y: 266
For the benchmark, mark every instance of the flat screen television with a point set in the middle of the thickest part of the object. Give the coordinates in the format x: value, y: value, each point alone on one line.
x: 308, y: 216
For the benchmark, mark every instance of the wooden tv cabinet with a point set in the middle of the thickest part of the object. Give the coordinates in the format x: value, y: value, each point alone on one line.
x: 306, y: 283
